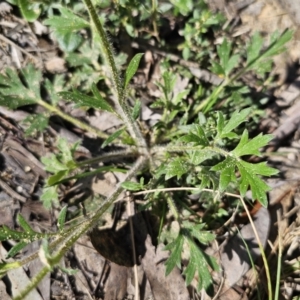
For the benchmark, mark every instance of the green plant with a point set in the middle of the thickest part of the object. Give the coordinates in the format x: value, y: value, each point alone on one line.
x: 192, y: 147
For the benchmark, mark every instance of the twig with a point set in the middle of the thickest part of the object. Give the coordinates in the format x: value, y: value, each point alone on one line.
x: 130, y: 216
x: 11, y: 192
x: 270, y: 295
x: 276, y: 296
x: 8, y: 41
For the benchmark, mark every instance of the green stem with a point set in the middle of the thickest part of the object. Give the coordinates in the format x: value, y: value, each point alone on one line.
x: 175, y: 148
x: 278, y: 275
x: 130, y: 152
x: 154, y: 16
x: 121, y: 105
x: 71, y: 235
x: 212, y: 99
x: 279, y: 259
x: 106, y: 49
x: 33, y: 284
x: 262, y: 251
x: 173, y: 208
x: 72, y: 120
x: 134, y: 129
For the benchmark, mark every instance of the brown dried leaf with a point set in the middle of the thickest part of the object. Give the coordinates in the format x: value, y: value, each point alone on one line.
x: 234, y: 256
x: 171, y: 287
x: 116, y: 285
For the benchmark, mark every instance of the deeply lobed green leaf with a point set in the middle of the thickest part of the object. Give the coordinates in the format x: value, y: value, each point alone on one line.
x: 250, y: 178
x: 175, y: 257
x: 246, y: 147
x: 68, y: 22
x: 200, y: 263
x: 177, y: 167
x: 14, y: 93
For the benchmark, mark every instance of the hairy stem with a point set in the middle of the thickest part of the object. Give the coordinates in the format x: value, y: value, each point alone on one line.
x: 33, y: 283
x: 106, y: 49
x: 120, y: 92
x: 130, y: 152
x: 184, y: 148
x: 71, y: 235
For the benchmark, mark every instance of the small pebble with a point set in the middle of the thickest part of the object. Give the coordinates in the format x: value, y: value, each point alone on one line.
x: 27, y: 169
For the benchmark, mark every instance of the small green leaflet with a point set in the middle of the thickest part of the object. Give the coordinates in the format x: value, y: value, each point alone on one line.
x: 49, y: 196
x: 66, y: 27
x: 14, y: 93
x: 198, y: 156
x: 57, y: 177
x: 112, y: 137
x: 84, y: 100
x: 62, y: 218
x: 227, y: 62
x: 132, y: 68
x: 276, y: 46
x: 250, y: 177
x: 249, y: 172
x: 33, y: 79
x: 52, y: 164
x: 175, y: 257
x: 131, y: 186
x: 136, y: 109
x: 199, y: 262
x: 97, y: 95
x: 78, y: 59
x: 16, y: 249
x: 246, y: 147
x: 30, y: 10
x: 54, y: 87
x: 196, y: 231
x: 178, y: 97
x: 68, y: 22
x: 65, y: 154
x: 60, y: 164
x: 10, y: 234
x: 216, y: 68
x: 23, y: 223
x: 37, y: 123
x: 194, y: 134
x: 177, y: 167
x: 68, y: 271
x: 277, y: 43
x: 254, y: 48
x: 238, y: 117
x: 227, y: 172
x: 168, y: 85
x: 68, y: 42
